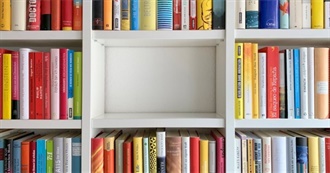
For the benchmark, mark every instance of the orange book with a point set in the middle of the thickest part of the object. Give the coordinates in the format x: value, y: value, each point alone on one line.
x: 56, y: 14
x: 107, y: 14
x: 321, y: 83
x: 77, y: 15
x: 109, y: 151
x: 97, y: 152
x: 25, y: 154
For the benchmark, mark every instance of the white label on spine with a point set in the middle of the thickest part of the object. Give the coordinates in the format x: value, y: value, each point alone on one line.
x: 185, y: 15
x: 322, y: 87
x: 262, y: 85
x: 116, y: 15
x: 240, y: 14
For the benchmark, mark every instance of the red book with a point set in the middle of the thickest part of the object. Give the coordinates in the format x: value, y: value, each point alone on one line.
x: 2, y: 51
x: 46, y: 15
x: 67, y: 8
x: 128, y: 155
x: 192, y: 15
x: 15, y: 85
x: 46, y: 88
x: 220, y: 151
x: 33, y: 148
x: 97, y: 152
x: 177, y: 14
x: 32, y: 86
x: 63, y: 83
x: 327, y: 154
x: 194, y: 152
x: 38, y: 62
x: 273, y: 81
x: 56, y: 14
x: 33, y: 16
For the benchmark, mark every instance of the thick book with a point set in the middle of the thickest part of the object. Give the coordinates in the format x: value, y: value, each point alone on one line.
x: 204, y: 14
x: 164, y: 15
x: 295, y: 14
x: 109, y: 151
x: 138, y: 152
x: 317, y: 14
x: 2, y: 51
x: 56, y: 15
x: 66, y: 10
x: 185, y: 151
x: 18, y: 15
x: 34, y: 15
x: 126, y: 14
x: 15, y: 86
x: 284, y: 14
x: 194, y: 151
x: 107, y: 10
x: 218, y: 14
x: 177, y: 10
x: 173, y: 151
x: 119, y: 147
x: 97, y: 15
x: 5, y: 17
x: 220, y: 151
x: 252, y: 14
x: 70, y: 83
x: 46, y: 18
x: 239, y: 81
x: 55, y: 83
x: 148, y: 14
x: 6, y: 88
x: 204, y: 154
x: 279, y: 151
x: 97, y: 152
x: 306, y: 14
x: 269, y: 14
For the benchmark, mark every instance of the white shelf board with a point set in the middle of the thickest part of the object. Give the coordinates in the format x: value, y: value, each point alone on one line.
x: 285, y: 36
x: 152, y: 120
x: 282, y: 123
x: 40, y: 124
x: 159, y: 38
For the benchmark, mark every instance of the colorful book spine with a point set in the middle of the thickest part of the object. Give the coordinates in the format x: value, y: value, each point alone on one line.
x: 135, y: 14
x: 289, y: 85
x: 192, y: 15
x: 252, y: 14
x: 284, y: 14
x: 50, y: 155
x: 15, y: 86
x: 34, y: 15
x: 117, y: 15
x: 204, y: 159
x: 282, y: 86
x: 39, y: 81
x: 126, y: 16
x: 185, y: 15
x: 56, y: 14
x: 240, y: 14
x: 239, y: 81
x: 97, y: 16
x: 76, y: 154
x: 47, y: 85
x: 302, y: 154
x: 107, y: 5
x: 77, y: 85
x: 304, y: 83
x: 67, y: 7
x: 161, y: 151
x: 5, y: 17
x: 41, y: 155
x: 164, y: 15
x: 148, y: 14
x: 137, y: 154
x: 32, y: 86
x: 218, y: 15
x: 46, y: 20
x: 173, y: 152
x: 63, y: 83
x: 6, y: 79
x: 268, y: 14
x: 177, y: 10
x: 247, y: 80
x: 296, y: 73
x: 18, y: 15
x: 204, y: 14
x: 97, y: 155
x: 127, y: 154
x: 306, y: 14
x: 77, y: 15
x: 145, y: 149
x: 317, y: 14
x: 152, y: 153
x: 55, y: 83
x: 310, y: 71
x: 262, y: 85
x: 70, y: 84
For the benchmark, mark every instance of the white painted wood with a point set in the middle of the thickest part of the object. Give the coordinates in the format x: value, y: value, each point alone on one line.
x: 40, y: 35
x: 282, y: 123
x: 40, y: 124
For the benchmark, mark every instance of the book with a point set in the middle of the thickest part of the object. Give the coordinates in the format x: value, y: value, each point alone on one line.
x: 204, y: 14
x: 2, y: 51
x: 109, y: 151
x: 248, y: 80
x: 148, y: 14
x: 47, y: 85
x: 185, y: 151
x: 34, y: 15
x: 282, y: 85
x: 306, y: 14
x: 152, y: 152
x: 218, y: 14
x: 311, y: 77
x: 204, y: 155
x: 76, y: 153
x: 63, y: 80
x: 126, y: 14
x: 66, y: 16
x: 317, y: 14
x: 56, y: 14
x: 138, y: 152
x: 15, y: 112
x: 32, y: 99
x: 77, y: 15
x: 239, y: 81
x: 117, y: 15
x: 289, y: 84
x: 70, y: 83
x: 173, y: 151
x: 5, y: 17
x: 55, y: 83
x: 240, y: 20
x: 295, y: 14
x: 284, y: 14
x: 185, y: 15
x: 6, y: 89
x: 128, y: 155
x: 212, y: 153
x: 194, y: 151
x: 262, y: 85
x: 161, y: 150
x: 327, y: 14
x: 269, y: 14
x: 304, y: 83
x: 164, y: 15
x: 119, y: 142
x: 97, y: 152
x: 135, y: 14
x: 18, y: 15
x: 38, y: 86
x: 77, y: 85
x: 177, y: 8
x: 97, y: 16
x: 107, y: 5
x: 296, y: 73
x: 145, y: 145
x: 192, y: 15
x: 252, y: 14
x: 45, y: 15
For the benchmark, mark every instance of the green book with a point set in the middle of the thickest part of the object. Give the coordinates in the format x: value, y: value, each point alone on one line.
x: 77, y: 85
x: 49, y: 162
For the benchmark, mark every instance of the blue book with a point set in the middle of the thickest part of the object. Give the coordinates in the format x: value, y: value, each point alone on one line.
x: 41, y: 155
x: 269, y: 14
x: 284, y: 14
x: 302, y: 154
x: 135, y: 23
x: 76, y: 154
x: 17, y: 153
x: 296, y: 73
x: 164, y: 14
x: 70, y: 84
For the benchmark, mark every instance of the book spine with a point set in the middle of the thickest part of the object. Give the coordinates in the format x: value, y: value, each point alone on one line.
x: 204, y: 159
x: 327, y: 14
x: 295, y: 14
x: 63, y: 83
x: 282, y: 86
x: 317, y: 14
x: 125, y: 14
x: 8, y: 156
x: 192, y: 15
x: 269, y: 14
x: 313, y: 155
x: 296, y: 73
x: 185, y: 15
x: 56, y: 14
x: 302, y: 154
x: 237, y: 153
x: 1, y: 85
x: 148, y: 14
x: 161, y: 152
x: 39, y: 98
x: 290, y: 85
x: 15, y: 86
x: 262, y: 85
x: 304, y: 83
x: 77, y: 85
x: 55, y: 83
x: 77, y: 15
x: 322, y: 154
x: 6, y: 90
x: 66, y: 10
x: 59, y: 154
x: 135, y: 14
x: 34, y: 11
x: 97, y: 16
x: 258, y: 156
x: 107, y: 14
x: 252, y: 14
x: 17, y: 156
x: 32, y: 156
x: 5, y: 17
x: 255, y: 82
x: 24, y: 83
x: 240, y: 14
x: 41, y: 155
x: 137, y: 155
x: 173, y: 154
x: 145, y: 155
x: 32, y: 85
x: 218, y: 16
x: 310, y: 73
x: 250, y: 156
x: 46, y: 19
x: 46, y: 86
x: 164, y: 15
x: 279, y: 158
x: 127, y: 156
x: 194, y: 154
x: 70, y: 84
x: 76, y: 154
x: 284, y: 14
x: 97, y: 154
x: 18, y: 15
x: 247, y: 80
x: 177, y: 14
x: 204, y: 20
x: 212, y: 157
x: 327, y: 153
x: 117, y: 15
x: 67, y: 155
x: 292, y: 157
x: 152, y: 154
x: 239, y: 81
x: 49, y: 161
x: 185, y: 160
x: 25, y: 154
x: 108, y: 155
x: 306, y: 14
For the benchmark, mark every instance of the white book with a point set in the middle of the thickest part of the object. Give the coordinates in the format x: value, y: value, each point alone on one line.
x: 279, y: 152
x: 185, y: 154
x: 291, y: 152
x: 117, y: 15
x: 289, y: 84
x: 327, y: 14
x: 161, y: 146
x: 282, y: 85
x: 18, y: 15
x: 322, y: 154
x: 55, y: 83
x: 24, y: 83
x: 185, y: 15
x: 67, y: 155
x: 212, y: 154
x: 240, y: 14
x: 262, y: 86
x: 243, y: 137
x: 304, y: 83
x: 266, y: 151
x: 237, y: 154
x: 310, y: 71
x: 306, y: 14
x: 295, y: 14
x: 119, y: 151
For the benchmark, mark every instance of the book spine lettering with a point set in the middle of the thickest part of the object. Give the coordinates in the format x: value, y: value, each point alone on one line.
x: 34, y: 11
x: 67, y: 7
x: 15, y: 86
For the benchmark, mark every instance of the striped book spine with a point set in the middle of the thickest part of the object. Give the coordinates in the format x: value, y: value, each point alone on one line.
x: 164, y: 15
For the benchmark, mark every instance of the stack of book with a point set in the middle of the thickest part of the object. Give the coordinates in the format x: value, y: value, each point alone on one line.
x: 158, y: 150
x: 40, y: 85
x: 282, y: 151
x: 288, y: 83
x: 20, y: 15
x: 158, y: 14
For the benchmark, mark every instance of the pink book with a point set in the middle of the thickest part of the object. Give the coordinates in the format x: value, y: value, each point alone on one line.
x: 220, y: 145
x: 63, y: 83
x: 55, y: 80
x: 15, y: 85
x: 47, y: 92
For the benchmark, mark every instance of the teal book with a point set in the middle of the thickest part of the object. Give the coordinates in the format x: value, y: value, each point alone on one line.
x: 76, y: 154
x: 70, y: 83
x: 284, y: 14
x: 252, y: 14
x: 218, y: 15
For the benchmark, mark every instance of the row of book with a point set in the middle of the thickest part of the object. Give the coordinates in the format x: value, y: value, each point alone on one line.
x: 283, y: 14
x: 29, y: 152
x: 20, y: 15
x: 288, y: 83
x: 40, y: 85
x: 282, y: 151
x: 158, y: 14
x: 158, y: 150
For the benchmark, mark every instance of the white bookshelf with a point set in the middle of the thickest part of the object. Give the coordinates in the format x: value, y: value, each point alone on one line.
x: 282, y: 123
x: 40, y: 124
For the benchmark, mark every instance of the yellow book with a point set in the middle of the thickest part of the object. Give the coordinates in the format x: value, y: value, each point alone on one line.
x: 239, y: 104
x: 204, y: 14
x: 6, y: 90
x: 317, y: 14
x: 107, y: 6
x: 203, y: 154
x: 250, y: 154
x: 5, y: 17
x: 148, y: 14
x: 247, y: 76
x: 137, y: 152
x: 152, y: 152
x: 125, y: 15
x: 255, y: 81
